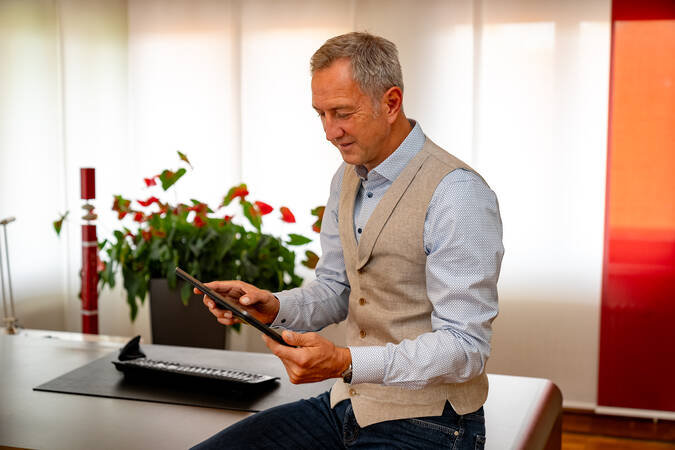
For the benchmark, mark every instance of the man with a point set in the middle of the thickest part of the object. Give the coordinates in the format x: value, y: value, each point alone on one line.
x: 411, y: 252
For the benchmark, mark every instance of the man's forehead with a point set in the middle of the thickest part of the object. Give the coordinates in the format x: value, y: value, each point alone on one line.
x: 332, y: 89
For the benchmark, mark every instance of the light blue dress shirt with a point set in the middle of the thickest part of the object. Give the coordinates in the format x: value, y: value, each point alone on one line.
x: 463, y: 243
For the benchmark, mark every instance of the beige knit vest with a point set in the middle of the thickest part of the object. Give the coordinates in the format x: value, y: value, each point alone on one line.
x: 388, y: 301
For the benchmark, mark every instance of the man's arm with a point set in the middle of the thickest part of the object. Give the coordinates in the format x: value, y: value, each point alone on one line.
x: 463, y: 241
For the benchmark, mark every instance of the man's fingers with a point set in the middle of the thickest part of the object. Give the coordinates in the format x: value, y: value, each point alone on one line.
x: 208, y: 302
x: 228, y: 321
x: 252, y: 297
x: 282, y: 351
x: 300, y: 339
x: 233, y: 288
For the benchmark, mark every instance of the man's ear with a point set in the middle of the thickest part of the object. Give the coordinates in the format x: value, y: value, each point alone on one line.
x: 392, y: 102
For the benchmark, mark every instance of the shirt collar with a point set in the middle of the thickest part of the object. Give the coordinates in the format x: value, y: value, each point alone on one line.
x: 392, y: 167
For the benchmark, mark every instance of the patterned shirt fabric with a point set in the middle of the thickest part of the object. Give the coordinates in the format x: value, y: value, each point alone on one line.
x: 463, y: 244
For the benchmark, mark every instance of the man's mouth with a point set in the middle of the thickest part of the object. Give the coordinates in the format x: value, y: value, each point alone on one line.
x: 344, y: 146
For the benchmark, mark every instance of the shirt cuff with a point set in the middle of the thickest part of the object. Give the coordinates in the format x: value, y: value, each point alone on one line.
x: 287, y: 310
x: 368, y: 364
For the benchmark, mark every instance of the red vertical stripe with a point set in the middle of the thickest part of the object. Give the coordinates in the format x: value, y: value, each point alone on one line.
x: 637, y: 360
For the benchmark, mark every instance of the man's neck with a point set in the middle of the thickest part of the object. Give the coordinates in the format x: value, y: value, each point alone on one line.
x: 399, y: 131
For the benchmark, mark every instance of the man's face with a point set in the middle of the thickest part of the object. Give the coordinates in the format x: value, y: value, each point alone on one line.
x: 350, y: 119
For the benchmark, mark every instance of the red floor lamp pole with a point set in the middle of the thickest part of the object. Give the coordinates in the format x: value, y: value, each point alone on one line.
x: 89, y: 253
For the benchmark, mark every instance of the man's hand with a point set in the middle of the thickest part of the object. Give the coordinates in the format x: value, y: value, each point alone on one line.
x: 315, y: 359
x: 259, y: 303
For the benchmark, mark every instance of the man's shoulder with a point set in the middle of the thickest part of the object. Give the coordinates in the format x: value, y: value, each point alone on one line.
x: 451, y: 168
x: 443, y: 159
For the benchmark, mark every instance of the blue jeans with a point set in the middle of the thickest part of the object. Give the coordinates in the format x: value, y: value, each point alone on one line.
x: 312, y: 424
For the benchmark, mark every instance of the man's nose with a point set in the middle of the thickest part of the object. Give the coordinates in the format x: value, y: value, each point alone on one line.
x: 332, y: 129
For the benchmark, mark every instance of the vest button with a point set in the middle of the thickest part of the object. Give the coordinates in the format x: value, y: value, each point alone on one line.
x: 362, y: 301
x: 362, y: 334
x: 352, y: 392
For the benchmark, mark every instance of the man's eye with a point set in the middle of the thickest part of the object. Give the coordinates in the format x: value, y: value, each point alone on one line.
x: 343, y: 115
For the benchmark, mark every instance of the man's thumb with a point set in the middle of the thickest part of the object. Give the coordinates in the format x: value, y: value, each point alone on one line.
x: 293, y: 338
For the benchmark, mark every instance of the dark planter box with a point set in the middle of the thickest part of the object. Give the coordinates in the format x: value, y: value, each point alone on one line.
x: 176, y: 324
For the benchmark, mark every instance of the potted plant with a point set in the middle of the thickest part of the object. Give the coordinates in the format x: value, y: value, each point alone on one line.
x: 155, y: 236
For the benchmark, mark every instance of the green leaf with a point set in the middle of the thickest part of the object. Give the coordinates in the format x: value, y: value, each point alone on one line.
x: 312, y: 259
x: 185, y: 293
x: 59, y: 223
x: 168, y: 178
x: 318, y: 211
x: 298, y: 239
x: 252, y: 214
x: 183, y: 157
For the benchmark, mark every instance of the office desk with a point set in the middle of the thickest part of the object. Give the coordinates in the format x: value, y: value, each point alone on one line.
x: 520, y: 412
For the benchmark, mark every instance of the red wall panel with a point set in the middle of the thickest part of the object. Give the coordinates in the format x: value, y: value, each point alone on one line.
x: 637, y: 341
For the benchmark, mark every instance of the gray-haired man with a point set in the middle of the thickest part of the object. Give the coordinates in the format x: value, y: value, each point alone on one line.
x: 411, y: 252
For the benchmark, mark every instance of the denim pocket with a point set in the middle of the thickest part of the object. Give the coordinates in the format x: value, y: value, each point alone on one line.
x: 479, y: 442
x: 443, y: 428
x: 431, y: 434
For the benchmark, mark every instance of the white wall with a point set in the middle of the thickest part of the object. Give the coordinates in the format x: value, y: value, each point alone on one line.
x: 518, y: 89
x: 31, y: 159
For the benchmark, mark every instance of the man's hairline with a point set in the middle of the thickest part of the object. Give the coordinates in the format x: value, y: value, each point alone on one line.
x: 375, y: 101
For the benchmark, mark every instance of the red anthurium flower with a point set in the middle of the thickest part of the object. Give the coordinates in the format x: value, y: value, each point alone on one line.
x: 147, y: 234
x: 150, y: 181
x: 240, y: 192
x: 121, y: 214
x: 199, y: 221
x: 237, y: 191
x: 148, y: 202
x: 316, y: 227
x: 139, y: 217
x: 226, y: 220
x: 200, y: 208
x: 287, y: 215
x: 264, y: 208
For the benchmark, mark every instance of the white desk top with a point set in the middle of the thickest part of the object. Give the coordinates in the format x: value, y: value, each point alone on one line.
x: 520, y: 412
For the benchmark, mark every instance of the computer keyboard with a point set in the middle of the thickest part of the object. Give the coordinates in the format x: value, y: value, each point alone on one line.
x: 232, y: 375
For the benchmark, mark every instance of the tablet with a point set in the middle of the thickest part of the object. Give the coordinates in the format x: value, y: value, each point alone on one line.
x: 224, y: 304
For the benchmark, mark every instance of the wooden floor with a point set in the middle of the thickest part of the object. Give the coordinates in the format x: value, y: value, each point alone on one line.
x: 587, y: 431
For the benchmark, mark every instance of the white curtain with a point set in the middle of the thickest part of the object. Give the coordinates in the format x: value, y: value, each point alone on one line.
x: 516, y: 88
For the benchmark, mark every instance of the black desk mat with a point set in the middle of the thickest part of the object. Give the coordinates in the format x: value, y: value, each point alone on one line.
x: 100, y: 378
